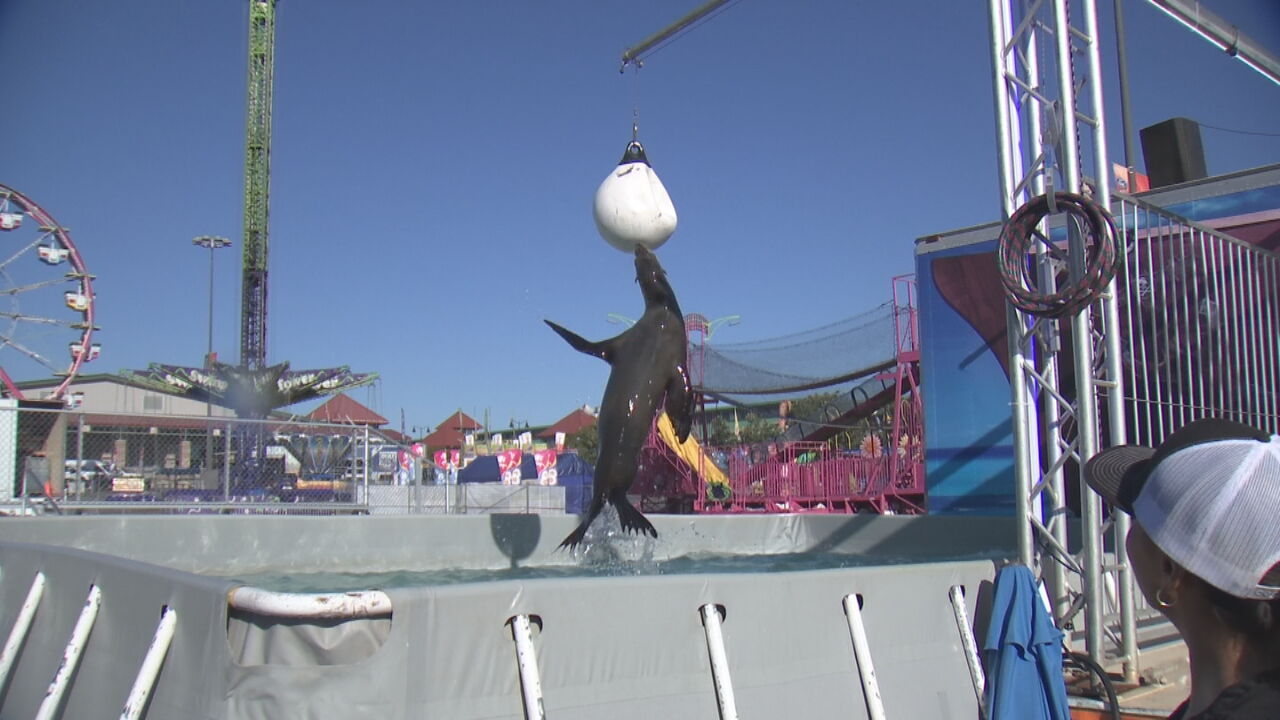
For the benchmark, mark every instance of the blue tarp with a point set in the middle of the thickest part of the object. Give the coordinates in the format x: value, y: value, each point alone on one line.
x: 577, y: 477
x: 1023, y: 653
x: 485, y: 469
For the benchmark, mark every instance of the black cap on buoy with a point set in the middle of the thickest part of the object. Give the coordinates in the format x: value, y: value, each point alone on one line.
x: 634, y: 154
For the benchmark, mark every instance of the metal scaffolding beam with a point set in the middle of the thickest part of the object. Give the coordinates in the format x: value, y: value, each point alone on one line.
x: 1048, y: 92
x: 1227, y: 37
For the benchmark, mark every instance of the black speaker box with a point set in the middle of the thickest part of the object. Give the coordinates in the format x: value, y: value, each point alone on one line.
x: 1173, y: 152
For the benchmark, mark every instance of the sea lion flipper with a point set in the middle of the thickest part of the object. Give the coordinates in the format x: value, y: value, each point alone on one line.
x: 680, y: 402
x: 631, y: 519
x: 602, y: 349
x: 576, y: 537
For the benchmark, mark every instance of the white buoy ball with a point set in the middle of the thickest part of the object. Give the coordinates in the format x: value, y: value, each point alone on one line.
x: 632, y: 206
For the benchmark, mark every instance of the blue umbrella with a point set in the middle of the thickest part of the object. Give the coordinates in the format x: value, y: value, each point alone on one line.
x: 1023, y: 652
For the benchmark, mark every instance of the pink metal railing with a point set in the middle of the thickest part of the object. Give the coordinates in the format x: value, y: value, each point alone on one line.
x: 799, y: 477
x: 805, y: 476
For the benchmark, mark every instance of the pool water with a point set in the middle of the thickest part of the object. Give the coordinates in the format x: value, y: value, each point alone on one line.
x: 588, y: 567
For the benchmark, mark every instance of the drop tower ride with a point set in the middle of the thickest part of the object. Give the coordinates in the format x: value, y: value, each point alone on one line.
x: 252, y: 388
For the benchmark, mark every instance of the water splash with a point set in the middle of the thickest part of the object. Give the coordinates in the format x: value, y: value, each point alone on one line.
x: 608, y: 550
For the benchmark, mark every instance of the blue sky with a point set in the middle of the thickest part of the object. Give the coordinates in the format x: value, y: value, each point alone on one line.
x: 434, y: 164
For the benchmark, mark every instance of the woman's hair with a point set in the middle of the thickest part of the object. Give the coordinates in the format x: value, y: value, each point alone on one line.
x: 1258, y: 620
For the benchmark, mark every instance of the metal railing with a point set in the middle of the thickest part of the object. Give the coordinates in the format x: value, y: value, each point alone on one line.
x: 796, y: 477
x: 1198, y: 324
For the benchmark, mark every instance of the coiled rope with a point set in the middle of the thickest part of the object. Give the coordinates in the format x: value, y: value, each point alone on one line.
x: 1019, y: 237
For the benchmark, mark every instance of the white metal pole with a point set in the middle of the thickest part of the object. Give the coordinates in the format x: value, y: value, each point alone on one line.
x: 364, y: 479
x: 1204, y: 22
x: 71, y: 656
x: 862, y: 652
x: 226, y: 465
x: 1010, y: 151
x: 21, y: 626
x: 970, y: 644
x: 151, y: 664
x: 719, y: 662
x: 1086, y: 407
x: 343, y: 605
x: 527, y: 662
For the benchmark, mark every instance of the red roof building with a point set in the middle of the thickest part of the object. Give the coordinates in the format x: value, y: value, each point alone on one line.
x: 450, y: 433
x: 342, y: 409
x: 569, y: 424
x: 395, y: 436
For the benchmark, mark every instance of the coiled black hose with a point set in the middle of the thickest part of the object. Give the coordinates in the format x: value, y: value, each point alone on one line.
x: 1018, y: 238
x: 1083, y: 663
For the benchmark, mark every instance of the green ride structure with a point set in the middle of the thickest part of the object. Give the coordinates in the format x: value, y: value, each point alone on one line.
x: 253, y: 389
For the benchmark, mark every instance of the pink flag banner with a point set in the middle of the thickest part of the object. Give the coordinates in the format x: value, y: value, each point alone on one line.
x: 509, y: 466
x: 546, y: 463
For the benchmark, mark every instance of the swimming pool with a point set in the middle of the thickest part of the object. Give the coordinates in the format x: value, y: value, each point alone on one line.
x: 624, y: 645
x: 603, y: 569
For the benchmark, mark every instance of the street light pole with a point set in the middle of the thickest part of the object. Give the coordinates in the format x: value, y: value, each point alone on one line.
x: 213, y: 243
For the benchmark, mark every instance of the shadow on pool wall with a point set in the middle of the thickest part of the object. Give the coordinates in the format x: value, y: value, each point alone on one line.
x: 516, y: 536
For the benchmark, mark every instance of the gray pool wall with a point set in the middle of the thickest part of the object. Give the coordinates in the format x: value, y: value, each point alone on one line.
x: 229, y: 544
x: 626, y: 648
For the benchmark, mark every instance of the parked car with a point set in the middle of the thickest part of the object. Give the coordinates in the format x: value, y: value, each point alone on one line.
x: 87, y: 476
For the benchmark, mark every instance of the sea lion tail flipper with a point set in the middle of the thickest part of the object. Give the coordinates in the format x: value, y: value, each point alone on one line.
x: 577, y: 536
x: 631, y: 519
x: 602, y: 349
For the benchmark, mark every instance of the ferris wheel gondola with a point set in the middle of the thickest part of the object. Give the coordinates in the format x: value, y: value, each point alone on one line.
x: 46, y: 299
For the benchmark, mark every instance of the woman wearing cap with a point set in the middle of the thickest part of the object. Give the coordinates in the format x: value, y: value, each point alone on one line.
x: 1205, y: 549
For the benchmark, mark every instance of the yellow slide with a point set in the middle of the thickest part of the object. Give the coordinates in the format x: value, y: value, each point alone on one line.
x: 692, y: 453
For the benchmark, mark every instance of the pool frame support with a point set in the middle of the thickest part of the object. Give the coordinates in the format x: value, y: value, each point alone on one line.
x: 21, y: 627
x: 71, y: 656
x: 527, y: 664
x: 862, y: 652
x: 310, y: 606
x: 970, y: 644
x: 149, y: 671
x: 711, y: 625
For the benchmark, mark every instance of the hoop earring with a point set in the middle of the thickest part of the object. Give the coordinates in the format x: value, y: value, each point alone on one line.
x: 1162, y: 603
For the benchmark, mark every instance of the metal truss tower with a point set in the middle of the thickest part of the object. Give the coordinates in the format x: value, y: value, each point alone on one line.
x: 1048, y: 93
x: 257, y: 183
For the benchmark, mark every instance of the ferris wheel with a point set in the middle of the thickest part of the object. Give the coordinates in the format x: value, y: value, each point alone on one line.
x: 46, y: 299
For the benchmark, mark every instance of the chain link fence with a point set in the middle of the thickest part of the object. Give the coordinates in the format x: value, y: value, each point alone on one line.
x: 52, y: 459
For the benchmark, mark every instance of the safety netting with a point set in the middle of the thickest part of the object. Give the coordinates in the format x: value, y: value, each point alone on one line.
x: 829, y: 355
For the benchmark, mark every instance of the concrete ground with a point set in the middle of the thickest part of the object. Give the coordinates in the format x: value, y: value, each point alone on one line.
x: 1162, y: 669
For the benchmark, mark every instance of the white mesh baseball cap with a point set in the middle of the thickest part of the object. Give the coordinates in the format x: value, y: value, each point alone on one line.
x: 1209, y: 497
